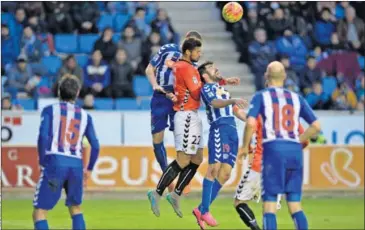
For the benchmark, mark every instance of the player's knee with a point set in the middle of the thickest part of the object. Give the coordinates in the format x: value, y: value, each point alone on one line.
x: 39, y: 214
x: 157, y: 138
x: 294, y: 207
x: 237, y: 202
x: 223, y: 176
x: 198, y: 157
x: 74, y: 210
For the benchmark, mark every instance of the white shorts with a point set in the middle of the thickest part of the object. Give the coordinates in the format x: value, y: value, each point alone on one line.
x: 188, y: 132
x: 249, y: 187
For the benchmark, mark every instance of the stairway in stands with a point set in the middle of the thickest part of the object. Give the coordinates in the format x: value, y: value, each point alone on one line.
x: 218, y: 44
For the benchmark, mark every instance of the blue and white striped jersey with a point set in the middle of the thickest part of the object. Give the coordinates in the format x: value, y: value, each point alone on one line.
x: 63, y: 126
x: 210, y: 92
x: 281, y: 110
x: 167, y: 53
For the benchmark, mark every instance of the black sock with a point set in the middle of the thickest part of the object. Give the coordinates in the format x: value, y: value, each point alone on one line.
x: 247, y: 216
x: 185, y: 177
x: 168, y: 177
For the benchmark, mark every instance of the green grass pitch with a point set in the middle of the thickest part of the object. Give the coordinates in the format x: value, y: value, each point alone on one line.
x: 322, y: 213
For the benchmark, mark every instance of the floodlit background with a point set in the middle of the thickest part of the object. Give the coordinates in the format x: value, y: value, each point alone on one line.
x: 320, y: 43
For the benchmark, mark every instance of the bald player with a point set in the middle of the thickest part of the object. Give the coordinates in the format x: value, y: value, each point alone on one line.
x: 282, y: 163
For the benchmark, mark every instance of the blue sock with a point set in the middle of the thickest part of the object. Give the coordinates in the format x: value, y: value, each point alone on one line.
x: 270, y: 221
x: 206, y: 196
x: 300, y: 220
x: 215, y: 190
x: 41, y: 225
x: 160, y: 154
x: 78, y: 222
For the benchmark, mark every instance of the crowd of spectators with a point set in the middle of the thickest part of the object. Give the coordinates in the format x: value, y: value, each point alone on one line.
x: 321, y: 45
x: 28, y: 35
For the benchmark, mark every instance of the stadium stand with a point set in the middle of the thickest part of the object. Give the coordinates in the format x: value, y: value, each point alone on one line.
x: 310, y: 31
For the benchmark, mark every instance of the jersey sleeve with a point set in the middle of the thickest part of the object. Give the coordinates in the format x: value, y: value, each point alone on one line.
x: 43, y: 135
x: 306, y: 111
x: 209, y: 93
x: 94, y: 142
x: 255, y: 106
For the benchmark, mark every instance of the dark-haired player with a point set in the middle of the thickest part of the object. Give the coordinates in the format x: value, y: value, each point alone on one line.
x: 159, y: 73
x: 188, y: 129
x: 63, y: 126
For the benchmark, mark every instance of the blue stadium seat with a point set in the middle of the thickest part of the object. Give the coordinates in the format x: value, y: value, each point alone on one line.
x: 149, y: 18
x: 105, y: 20
x: 116, y: 38
x: 329, y: 84
x: 141, y: 86
x: 120, y: 21
x: 66, y: 43
x: 86, y: 42
x: 26, y: 104
x: 126, y: 104
x: 145, y: 104
x: 81, y: 59
x: 52, y: 64
x: 104, y: 104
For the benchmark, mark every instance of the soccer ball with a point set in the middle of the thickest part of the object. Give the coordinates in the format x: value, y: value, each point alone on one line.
x: 232, y: 12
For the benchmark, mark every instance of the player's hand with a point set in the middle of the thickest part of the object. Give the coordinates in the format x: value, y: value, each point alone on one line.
x: 243, y: 153
x: 172, y: 97
x: 87, y: 175
x: 241, y: 103
x: 158, y: 88
x: 233, y: 81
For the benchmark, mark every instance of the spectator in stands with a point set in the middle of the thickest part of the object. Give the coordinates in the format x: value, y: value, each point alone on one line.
x: 360, y: 93
x: 37, y: 25
x: 243, y: 32
x: 152, y: 43
x: 132, y: 45
x: 97, y: 76
x: 278, y: 23
x: 6, y: 103
x: 344, y: 97
x: 309, y: 75
x: 89, y: 102
x: 9, y: 7
x: 336, y: 45
x: 291, y: 76
x: 300, y: 26
x: 261, y: 53
x: 340, y: 9
x: 4, y: 80
x: 31, y: 46
x: 317, y: 99
x: 106, y: 45
x: 70, y: 66
x: 138, y: 22
x: 122, y: 75
x: 21, y: 78
x: 58, y: 17
x: 33, y: 8
x: 294, y: 47
x: 324, y: 28
x: 86, y: 14
x: 20, y: 21
x: 163, y: 26
x: 351, y: 30
x: 9, y: 47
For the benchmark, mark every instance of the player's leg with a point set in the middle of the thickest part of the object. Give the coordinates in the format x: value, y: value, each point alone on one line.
x: 273, y: 184
x: 294, y: 197
x: 74, y: 191
x: 245, y: 192
x: 160, y: 109
x: 47, y: 194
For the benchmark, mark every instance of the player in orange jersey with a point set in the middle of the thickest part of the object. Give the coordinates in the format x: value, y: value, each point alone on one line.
x: 250, y: 184
x: 188, y: 128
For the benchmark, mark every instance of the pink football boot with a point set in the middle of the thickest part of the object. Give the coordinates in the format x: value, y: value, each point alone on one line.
x: 197, y: 214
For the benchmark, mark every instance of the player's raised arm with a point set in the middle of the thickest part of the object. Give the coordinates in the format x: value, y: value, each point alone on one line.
x: 239, y: 113
x: 94, y: 142
x: 43, y: 134
x: 308, y: 115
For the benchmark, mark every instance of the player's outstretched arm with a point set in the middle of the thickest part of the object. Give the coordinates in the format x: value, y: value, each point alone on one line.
x: 239, y: 113
x: 43, y: 134
x: 94, y: 142
x: 230, y: 81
